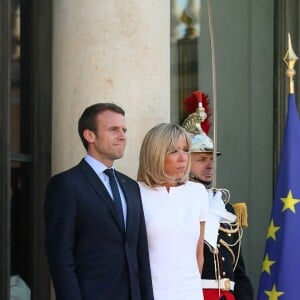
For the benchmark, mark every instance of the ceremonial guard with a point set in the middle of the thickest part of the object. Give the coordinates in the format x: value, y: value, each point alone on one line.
x: 224, y: 276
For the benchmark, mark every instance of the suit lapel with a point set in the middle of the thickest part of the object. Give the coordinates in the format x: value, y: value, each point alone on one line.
x: 99, y: 187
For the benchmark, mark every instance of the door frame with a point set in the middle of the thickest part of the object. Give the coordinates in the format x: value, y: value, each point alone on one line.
x: 4, y: 149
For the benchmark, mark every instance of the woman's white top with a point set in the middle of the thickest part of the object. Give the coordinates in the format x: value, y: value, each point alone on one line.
x: 173, y: 229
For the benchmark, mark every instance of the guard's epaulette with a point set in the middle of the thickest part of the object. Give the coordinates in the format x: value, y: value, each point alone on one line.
x: 240, y: 210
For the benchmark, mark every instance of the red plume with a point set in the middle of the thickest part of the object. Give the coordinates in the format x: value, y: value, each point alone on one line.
x: 190, y: 104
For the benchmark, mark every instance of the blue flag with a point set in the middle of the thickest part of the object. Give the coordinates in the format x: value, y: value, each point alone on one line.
x: 280, y: 276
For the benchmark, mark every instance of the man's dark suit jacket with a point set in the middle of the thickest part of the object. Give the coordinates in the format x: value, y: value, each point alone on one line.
x: 89, y: 254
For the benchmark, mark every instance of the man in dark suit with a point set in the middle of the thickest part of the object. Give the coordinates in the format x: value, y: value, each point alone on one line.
x: 96, y: 240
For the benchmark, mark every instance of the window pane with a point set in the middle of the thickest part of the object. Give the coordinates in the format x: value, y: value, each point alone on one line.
x: 21, y: 170
x: 185, y: 31
x: 15, y: 78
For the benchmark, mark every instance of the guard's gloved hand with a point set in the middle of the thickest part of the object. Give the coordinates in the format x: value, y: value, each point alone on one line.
x: 215, y: 199
x: 217, y: 214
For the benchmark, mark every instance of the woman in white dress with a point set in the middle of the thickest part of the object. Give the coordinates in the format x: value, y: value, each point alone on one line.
x: 175, y: 212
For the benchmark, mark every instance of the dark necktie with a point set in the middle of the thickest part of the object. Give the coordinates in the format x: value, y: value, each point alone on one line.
x: 116, y: 194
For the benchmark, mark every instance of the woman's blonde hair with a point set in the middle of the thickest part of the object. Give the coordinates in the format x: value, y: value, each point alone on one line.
x: 157, y: 144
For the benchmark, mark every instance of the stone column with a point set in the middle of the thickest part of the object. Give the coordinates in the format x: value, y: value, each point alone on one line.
x: 109, y: 51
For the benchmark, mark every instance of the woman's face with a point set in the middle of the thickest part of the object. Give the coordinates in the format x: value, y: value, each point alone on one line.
x: 177, y: 161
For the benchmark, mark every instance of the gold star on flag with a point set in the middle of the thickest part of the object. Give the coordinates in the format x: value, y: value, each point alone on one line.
x: 272, y: 230
x: 289, y: 202
x: 274, y: 294
x: 267, y: 264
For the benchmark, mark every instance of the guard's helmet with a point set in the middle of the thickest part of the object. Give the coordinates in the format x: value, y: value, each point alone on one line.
x: 197, y: 118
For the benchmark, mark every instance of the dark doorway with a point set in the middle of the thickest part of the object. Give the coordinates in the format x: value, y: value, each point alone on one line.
x: 25, y: 75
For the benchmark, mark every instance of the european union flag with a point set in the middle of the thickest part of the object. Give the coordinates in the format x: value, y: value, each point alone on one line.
x: 280, y: 277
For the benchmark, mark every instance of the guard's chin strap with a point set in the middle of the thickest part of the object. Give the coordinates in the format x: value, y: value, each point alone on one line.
x: 197, y: 179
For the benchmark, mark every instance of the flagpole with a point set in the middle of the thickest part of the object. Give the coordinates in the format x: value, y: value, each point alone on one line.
x: 290, y: 59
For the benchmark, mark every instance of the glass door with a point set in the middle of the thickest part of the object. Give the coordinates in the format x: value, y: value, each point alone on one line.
x: 25, y: 133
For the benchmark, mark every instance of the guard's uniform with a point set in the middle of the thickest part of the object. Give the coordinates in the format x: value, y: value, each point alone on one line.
x: 228, y: 264
x: 223, y: 275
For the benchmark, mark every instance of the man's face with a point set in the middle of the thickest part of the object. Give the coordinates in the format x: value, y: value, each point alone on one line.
x: 202, y: 166
x: 108, y: 142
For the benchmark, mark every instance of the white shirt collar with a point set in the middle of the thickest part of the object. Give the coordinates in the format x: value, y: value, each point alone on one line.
x: 96, y: 165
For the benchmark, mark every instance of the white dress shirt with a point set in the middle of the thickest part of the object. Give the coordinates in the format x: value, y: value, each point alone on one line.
x: 99, y: 168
